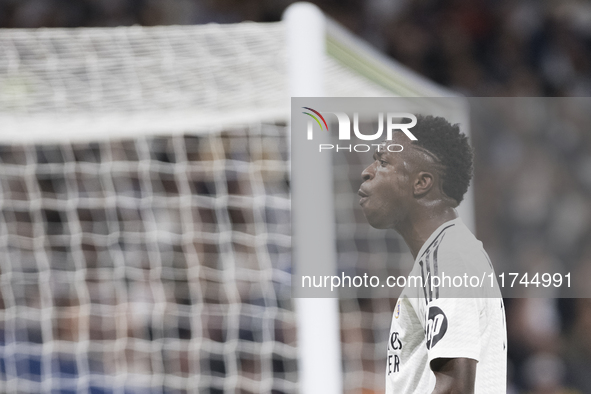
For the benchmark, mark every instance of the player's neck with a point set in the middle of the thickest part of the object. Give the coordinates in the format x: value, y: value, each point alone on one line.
x: 421, y: 224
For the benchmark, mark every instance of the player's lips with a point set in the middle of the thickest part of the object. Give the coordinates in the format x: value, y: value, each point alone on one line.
x: 364, y: 196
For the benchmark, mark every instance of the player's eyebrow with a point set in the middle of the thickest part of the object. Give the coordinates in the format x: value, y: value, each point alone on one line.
x: 377, y: 154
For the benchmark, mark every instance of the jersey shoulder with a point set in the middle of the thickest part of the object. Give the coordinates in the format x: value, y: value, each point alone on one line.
x: 460, y: 250
x: 457, y: 265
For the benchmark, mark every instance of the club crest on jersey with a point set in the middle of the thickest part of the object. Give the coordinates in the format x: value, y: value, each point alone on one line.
x: 436, y: 326
x: 397, y: 310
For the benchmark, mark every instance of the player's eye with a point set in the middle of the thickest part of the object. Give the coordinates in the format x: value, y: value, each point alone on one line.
x: 383, y: 162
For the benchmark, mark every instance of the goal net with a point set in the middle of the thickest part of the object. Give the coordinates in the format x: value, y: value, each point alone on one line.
x: 145, y: 210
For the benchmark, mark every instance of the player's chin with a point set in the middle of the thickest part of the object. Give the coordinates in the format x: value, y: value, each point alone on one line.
x: 380, y: 226
x: 376, y: 220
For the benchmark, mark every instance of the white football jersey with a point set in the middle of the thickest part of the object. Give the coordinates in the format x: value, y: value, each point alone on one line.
x: 427, y: 325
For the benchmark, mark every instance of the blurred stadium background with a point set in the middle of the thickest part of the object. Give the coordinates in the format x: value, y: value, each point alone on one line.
x: 143, y: 315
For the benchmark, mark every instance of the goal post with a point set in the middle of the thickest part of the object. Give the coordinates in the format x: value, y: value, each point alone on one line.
x: 317, y: 318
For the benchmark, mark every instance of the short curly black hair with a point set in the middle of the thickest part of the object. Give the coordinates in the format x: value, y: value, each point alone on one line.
x: 452, y: 149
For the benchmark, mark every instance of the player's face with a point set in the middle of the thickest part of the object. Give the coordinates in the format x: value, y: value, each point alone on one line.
x: 386, y: 189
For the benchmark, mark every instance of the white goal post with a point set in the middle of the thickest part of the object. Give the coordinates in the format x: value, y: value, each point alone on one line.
x: 145, y: 203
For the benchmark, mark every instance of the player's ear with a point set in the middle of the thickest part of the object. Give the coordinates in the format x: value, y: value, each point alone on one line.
x: 423, y: 183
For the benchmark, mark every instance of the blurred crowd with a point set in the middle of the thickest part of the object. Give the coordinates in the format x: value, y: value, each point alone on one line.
x: 479, y: 47
x: 533, y: 210
x: 494, y: 48
x: 540, y: 182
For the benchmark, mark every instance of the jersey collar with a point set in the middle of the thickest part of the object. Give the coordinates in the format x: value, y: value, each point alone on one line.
x: 436, y: 234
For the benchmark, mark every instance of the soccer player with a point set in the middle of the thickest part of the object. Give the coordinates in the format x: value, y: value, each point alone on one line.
x: 444, y: 337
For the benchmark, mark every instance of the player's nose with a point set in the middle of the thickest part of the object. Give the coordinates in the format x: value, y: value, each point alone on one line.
x: 367, y: 174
